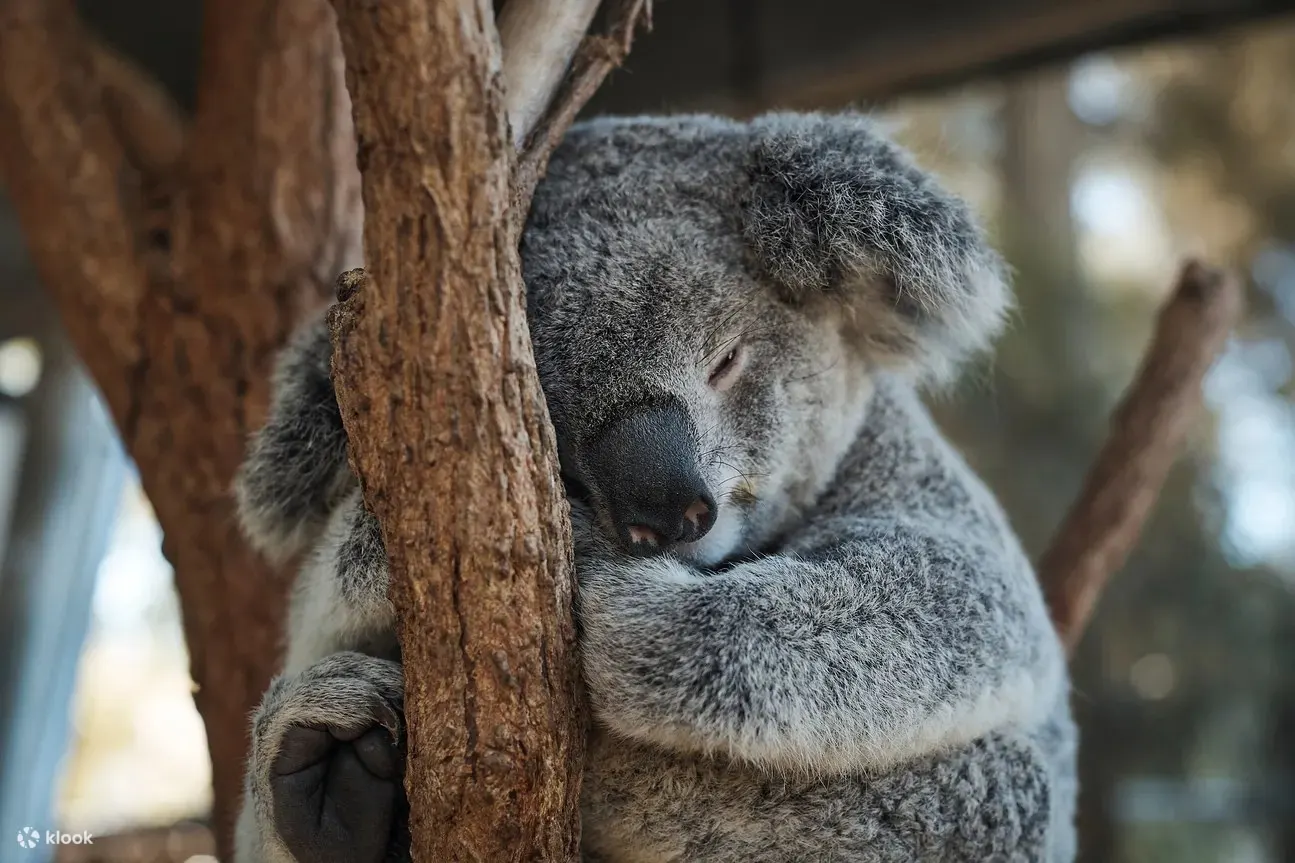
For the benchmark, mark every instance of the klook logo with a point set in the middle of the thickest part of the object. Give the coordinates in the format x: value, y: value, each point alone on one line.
x: 30, y: 838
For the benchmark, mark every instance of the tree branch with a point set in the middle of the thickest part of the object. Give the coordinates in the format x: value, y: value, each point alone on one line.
x: 148, y: 123
x: 597, y: 57
x: 539, y: 37
x: 177, y: 304
x: 273, y: 153
x: 1148, y: 430
x: 151, y: 131
x: 473, y: 513
x: 60, y: 161
x: 475, y: 481
x: 268, y: 213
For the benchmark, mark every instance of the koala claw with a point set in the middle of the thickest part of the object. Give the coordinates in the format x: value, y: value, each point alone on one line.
x: 331, y: 755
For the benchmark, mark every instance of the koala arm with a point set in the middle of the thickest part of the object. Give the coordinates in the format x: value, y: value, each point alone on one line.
x: 322, y: 781
x: 889, y: 642
x: 295, y: 473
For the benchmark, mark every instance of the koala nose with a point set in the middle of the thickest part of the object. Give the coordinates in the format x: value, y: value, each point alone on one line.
x: 645, y: 467
x: 676, y: 520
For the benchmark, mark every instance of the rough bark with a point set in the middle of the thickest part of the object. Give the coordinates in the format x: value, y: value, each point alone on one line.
x: 597, y: 57
x: 447, y: 425
x: 435, y: 374
x: 1147, y: 431
x: 180, y: 255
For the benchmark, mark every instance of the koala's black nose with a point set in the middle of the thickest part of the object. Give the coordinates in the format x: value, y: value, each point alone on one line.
x: 645, y: 466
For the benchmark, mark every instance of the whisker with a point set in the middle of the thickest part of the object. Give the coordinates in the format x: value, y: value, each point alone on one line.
x: 811, y: 375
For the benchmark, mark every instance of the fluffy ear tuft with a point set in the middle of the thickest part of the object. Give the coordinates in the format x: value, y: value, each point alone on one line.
x: 835, y: 206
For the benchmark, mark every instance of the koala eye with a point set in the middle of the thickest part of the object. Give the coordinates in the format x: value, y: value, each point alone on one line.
x: 726, y: 371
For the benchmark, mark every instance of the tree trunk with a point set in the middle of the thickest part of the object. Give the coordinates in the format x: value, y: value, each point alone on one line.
x: 180, y: 255
x: 446, y: 424
x: 461, y: 472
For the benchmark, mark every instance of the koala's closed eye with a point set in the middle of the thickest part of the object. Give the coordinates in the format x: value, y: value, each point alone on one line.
x: 726, y: 370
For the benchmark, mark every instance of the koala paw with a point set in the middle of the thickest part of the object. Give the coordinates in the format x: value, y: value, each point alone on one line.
x: 328, y: 761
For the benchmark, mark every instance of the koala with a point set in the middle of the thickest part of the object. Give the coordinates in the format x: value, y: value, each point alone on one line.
x: 808, y: 630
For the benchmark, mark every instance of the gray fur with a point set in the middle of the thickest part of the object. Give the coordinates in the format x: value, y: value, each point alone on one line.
x: 295, y: 472
x: 342, y: 691
x: 855, y: 663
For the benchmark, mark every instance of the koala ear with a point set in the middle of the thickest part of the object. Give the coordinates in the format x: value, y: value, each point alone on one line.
x: 836, y: 207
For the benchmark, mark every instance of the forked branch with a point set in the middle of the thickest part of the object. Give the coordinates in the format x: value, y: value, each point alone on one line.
x: 594, y: 61
x: 1147, y: 431
x: 538, y: 39
x: 60, y: 159
x: 179, y: 254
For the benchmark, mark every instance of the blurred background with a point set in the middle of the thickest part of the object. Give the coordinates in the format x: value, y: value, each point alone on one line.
x: 1101, y: 156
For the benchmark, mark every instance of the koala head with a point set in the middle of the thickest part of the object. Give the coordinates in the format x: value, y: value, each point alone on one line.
x: 710, y: 302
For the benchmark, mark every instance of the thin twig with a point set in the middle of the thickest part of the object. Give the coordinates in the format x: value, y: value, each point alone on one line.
x: 597, y: 57
x: 1147, y: 432
x: 538, y: 38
